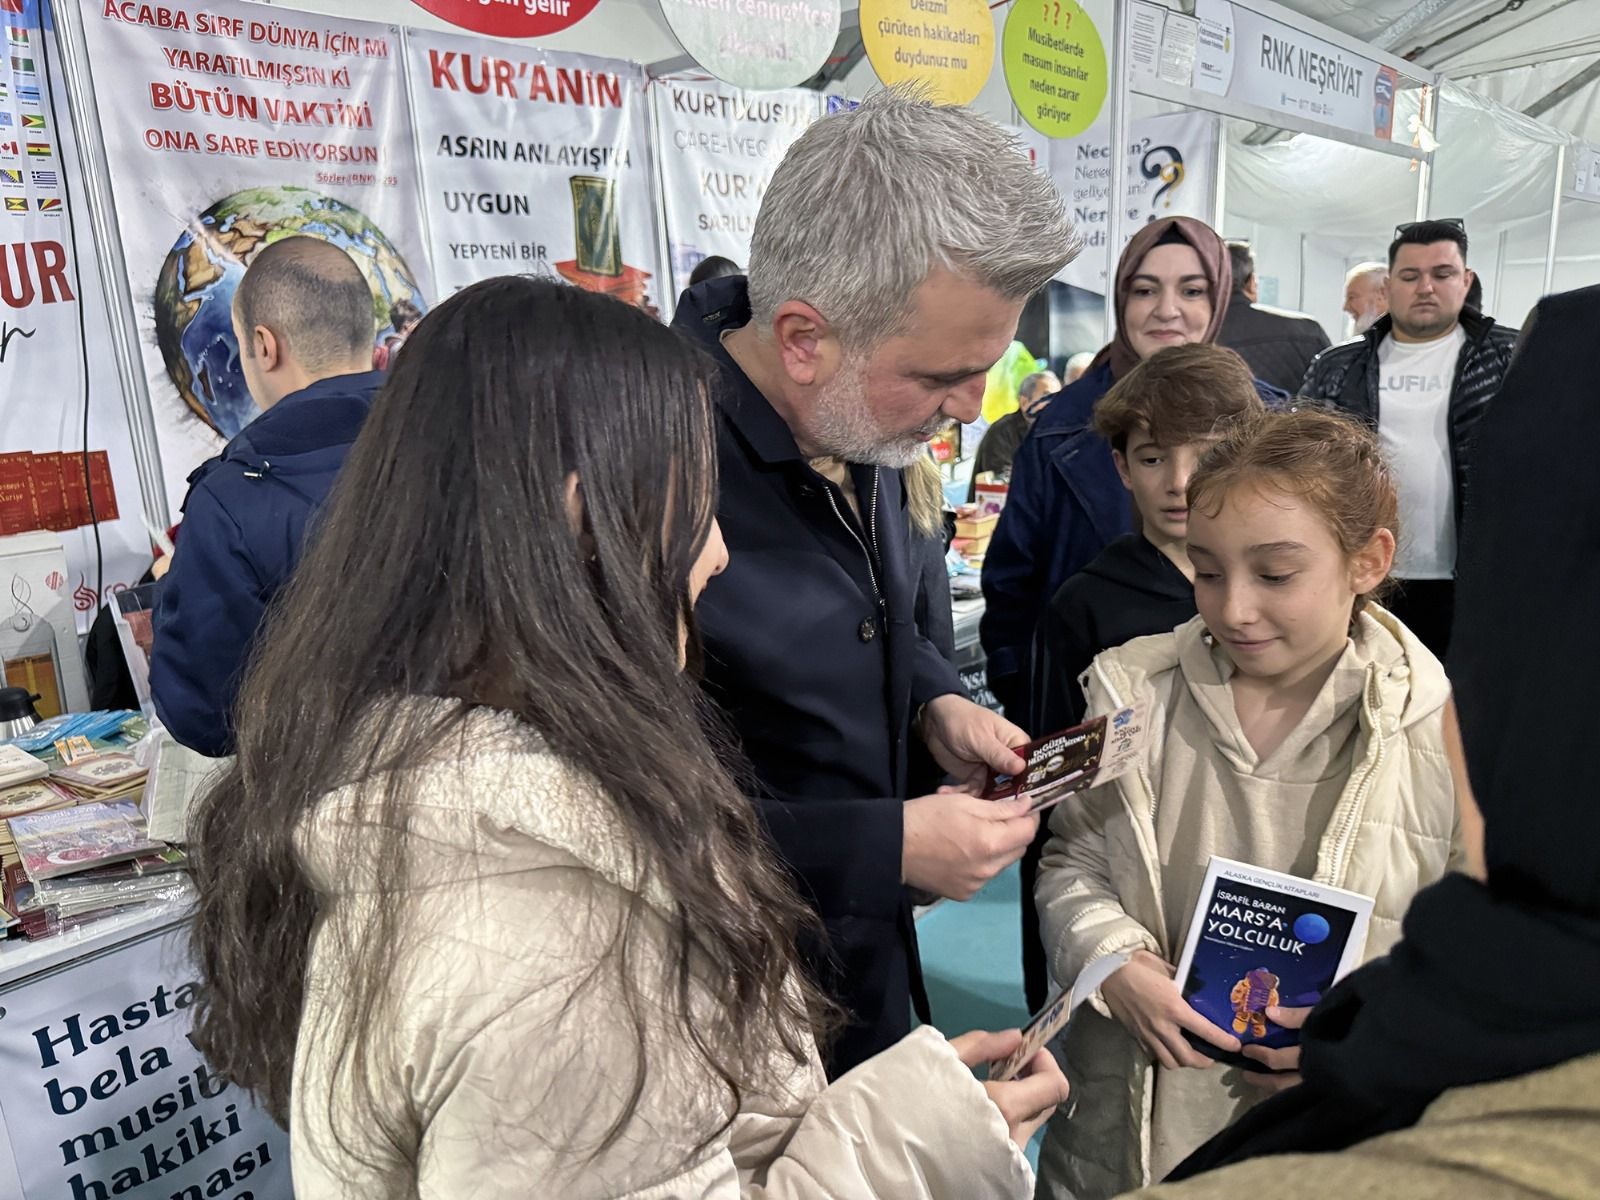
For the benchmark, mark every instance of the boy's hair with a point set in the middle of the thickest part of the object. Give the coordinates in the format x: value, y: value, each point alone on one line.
x: 1330, y: 461
x: 1180, y: 394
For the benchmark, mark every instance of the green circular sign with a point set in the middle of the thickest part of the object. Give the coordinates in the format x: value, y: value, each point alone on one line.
x: 1055, y: 66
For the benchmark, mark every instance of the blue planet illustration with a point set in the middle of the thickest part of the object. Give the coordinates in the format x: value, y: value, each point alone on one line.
x: 1311, y: 928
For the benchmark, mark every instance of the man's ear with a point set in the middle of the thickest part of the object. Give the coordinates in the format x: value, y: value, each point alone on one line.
x: 269, y: 348
x: 807, y: 345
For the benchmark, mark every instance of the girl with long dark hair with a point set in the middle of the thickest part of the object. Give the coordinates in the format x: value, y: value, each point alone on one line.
x: 481, y: 911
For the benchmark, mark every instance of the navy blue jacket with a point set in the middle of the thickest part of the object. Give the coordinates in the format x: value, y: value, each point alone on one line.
x: 813, y: 653
x: 1066, y: 505
x: 243, y: 528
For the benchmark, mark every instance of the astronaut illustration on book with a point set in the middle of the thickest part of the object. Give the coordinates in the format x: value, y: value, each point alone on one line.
x: 1251, y: 997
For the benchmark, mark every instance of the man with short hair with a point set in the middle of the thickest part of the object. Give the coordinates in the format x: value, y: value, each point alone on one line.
x: 1423, y: 377
x: 861, y: 328
x: 303, y: 318
x: 1000, y: 440
x: 1277, y: 344
x: 1366, y: 295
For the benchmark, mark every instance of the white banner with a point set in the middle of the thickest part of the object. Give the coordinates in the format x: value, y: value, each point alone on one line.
x: 229, y: 125
x: 50, y: 306
x: 105, y: 1096
x: 535, y: 163
x: 1254, y: 59
x: 1171, y: 173
x: 719, y: 148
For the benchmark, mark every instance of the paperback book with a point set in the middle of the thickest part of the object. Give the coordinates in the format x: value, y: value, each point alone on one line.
x: 75, y: 839
x: 1260, y: 938
x: 1082, y: 757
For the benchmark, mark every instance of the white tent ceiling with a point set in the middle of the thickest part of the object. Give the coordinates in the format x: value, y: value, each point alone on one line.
x: 1523, y: 53
x: 1541, y: 57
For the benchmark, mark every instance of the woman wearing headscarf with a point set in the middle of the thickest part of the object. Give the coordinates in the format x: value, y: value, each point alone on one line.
x: 1066, y: 502
x: 1467, y: 1062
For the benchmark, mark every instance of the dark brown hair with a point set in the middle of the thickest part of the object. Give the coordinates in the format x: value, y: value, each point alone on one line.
x: 1181, y: 394
x: 447, y: 564
x: 1330, y: 461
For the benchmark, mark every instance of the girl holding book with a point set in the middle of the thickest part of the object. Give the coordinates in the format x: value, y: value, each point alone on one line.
x: 1294, y: 725
x: 482, y: 914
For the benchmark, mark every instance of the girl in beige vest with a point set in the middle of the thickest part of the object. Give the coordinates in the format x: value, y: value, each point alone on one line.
x: 1295, y: 725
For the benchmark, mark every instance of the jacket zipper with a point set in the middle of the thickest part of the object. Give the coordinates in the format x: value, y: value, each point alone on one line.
x: 1341, y: 842
x: 872, y: 534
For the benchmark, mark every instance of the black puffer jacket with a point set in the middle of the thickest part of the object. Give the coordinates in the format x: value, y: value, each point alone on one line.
x: 1346, y: 376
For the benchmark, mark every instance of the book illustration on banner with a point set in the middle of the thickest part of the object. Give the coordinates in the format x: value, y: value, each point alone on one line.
x: 597, y: 231
x: 1260, y: 939
x: 1074, y: 760
x: 195, y: 286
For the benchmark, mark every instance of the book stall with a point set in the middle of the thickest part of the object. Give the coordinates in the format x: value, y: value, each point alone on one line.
x: 105, y: 1094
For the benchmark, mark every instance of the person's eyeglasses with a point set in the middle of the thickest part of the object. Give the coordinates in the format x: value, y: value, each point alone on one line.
x: 1454, y: 222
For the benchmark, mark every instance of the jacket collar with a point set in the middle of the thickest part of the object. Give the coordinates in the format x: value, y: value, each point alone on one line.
x: 1475, y: 323
x: 1410, y: 683
x: 329, y: 412
x: 704, y: 315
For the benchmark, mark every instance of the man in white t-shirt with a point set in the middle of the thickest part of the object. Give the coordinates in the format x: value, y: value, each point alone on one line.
x: 1423, y: 376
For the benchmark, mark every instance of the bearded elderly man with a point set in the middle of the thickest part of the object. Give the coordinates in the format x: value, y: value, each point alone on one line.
x: 891, y: 258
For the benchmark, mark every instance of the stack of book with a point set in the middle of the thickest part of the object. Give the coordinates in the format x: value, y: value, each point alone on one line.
x: 104, y: 777
x: 83, y: 862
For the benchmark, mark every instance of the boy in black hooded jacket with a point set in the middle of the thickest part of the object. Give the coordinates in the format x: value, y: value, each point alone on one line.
x: 1160, y: 419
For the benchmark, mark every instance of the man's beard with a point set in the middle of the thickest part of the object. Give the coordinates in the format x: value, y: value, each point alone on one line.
x: 842, y: 427
x: 1368, y: 318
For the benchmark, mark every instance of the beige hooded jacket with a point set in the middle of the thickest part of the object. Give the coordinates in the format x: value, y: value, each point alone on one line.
x: 510, y: 1051
x: 1100, y: 890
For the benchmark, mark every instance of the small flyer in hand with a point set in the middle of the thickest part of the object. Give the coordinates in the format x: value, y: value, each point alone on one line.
x: 1036, y: 1035
x: 1260, y: 938
x: 1082, y: 757
x: 1052, y: 1018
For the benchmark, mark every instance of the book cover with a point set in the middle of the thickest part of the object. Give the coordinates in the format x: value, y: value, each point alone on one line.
x: 18, y: 767
x: 74, y: 483
x: 104, y: 491
x: 1261, y: 938
x: 1075, y: 759
x: 28, y: 798
x: 18, y: 514
x: 99, y: 774
x: 50, y: 500
x: 74, y: 839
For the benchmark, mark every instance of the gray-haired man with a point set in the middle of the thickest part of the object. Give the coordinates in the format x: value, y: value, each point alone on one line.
x: 894, y: 250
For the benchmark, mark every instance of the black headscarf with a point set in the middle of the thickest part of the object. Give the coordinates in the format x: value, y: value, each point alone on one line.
x: 1490, y: 981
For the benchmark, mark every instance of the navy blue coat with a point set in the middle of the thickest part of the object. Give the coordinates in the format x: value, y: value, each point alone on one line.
x: 813, y: 652
x: 243, y: 528
x: 1066, y: 505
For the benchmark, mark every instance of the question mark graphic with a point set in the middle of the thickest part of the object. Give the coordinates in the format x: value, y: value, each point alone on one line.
x: 1058, y: 14
x: 1170, y: 173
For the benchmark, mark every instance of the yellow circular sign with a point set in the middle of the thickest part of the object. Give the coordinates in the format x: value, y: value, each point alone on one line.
x: 946, y: 44
x: 1055, y: 66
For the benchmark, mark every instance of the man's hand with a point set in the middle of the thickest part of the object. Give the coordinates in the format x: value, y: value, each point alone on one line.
x: 1285, y: 1063
x: 969, y: 741
x: 1145, y: 999
x: 955, y: 843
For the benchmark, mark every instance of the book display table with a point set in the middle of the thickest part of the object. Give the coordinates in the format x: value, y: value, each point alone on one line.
x: 101, y: 1092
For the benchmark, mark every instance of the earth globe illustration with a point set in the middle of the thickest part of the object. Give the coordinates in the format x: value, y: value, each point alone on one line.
x: 194, y: 290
